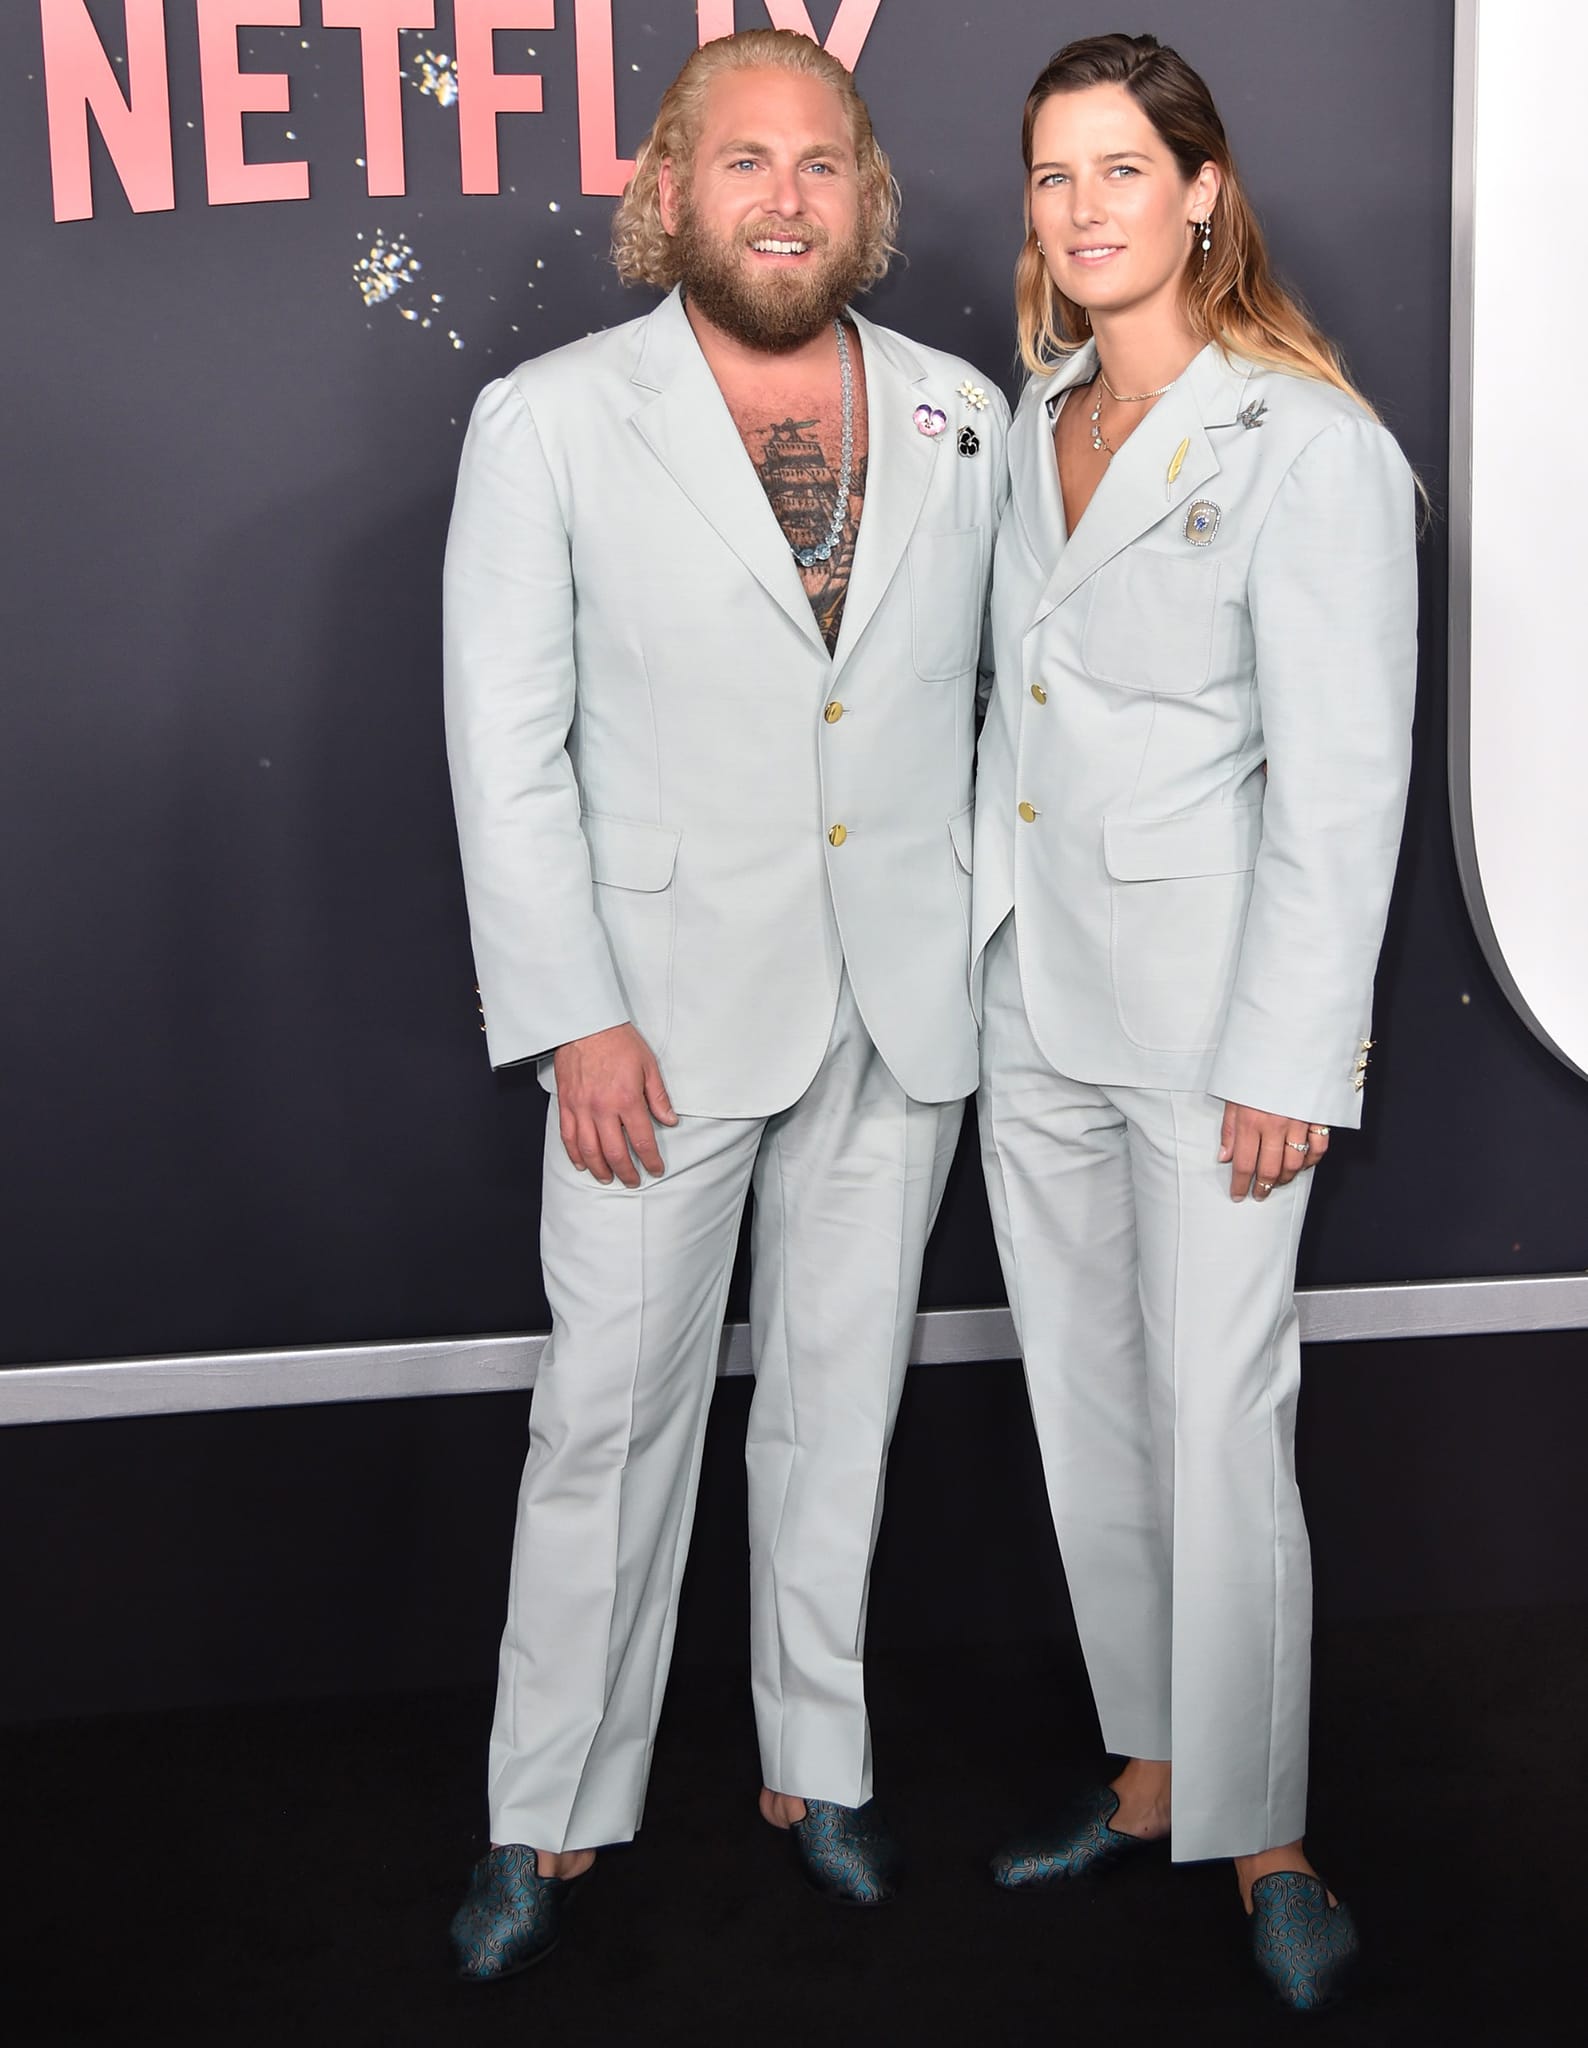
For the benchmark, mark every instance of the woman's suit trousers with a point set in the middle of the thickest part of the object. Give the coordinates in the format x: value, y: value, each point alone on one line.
x: 846, y: 1184
x: 1158, y: 1325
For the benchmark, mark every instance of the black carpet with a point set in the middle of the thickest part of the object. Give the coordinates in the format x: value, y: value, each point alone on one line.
x: 284, y: 1875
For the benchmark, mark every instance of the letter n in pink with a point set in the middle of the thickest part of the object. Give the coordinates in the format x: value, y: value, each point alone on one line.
x: 79, y: 81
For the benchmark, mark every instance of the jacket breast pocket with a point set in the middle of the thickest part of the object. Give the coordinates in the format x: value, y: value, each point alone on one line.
x: 947, y: 600
x: 1179, y: 890
x: 631, y: 865
x: 1150, y: 622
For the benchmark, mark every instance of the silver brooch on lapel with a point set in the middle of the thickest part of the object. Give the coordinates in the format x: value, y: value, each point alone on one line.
x: 1202, y: 522
x: 1252, y: 415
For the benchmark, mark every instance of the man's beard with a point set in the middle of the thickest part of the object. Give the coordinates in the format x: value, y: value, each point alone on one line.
x: 784, y: 309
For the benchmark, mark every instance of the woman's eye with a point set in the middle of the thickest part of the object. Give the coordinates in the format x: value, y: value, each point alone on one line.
x: 1126, y: 170
x: 1051, y: 178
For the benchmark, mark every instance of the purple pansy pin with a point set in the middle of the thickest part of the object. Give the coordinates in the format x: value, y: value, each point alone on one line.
x: 929, y: 421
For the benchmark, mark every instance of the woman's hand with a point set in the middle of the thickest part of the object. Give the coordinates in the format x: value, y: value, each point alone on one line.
x: 1265, y: 1151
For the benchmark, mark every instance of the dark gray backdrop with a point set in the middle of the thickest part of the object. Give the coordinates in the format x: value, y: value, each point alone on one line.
x: 245, y: 1100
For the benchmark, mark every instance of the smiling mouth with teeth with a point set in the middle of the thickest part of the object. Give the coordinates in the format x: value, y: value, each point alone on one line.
x: 766, y: 247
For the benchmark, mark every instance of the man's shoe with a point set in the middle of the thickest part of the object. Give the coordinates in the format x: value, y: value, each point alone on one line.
x: 510, y: 1918
x: 1085, y: 1846
x: 847, y: 1852
x: 1304, y: 1948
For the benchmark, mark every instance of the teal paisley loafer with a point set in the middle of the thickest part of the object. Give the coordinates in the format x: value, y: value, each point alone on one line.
x: 1305, y: 1949
x: 847, y: 1852
x: 510, y: 1918
x: 1085, y: 1846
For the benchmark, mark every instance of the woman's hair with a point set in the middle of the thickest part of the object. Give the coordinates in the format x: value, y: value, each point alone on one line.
x: 1234, y: 298
x: 643, y: 250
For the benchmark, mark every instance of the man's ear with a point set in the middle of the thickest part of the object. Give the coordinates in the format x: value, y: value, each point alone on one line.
x: 667, y: 194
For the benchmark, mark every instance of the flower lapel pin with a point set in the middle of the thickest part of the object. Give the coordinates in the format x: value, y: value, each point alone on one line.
x: 973, y: 395
x: 931, y: 421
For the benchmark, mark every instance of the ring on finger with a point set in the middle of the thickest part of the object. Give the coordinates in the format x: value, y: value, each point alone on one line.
x: 1318, y: 1130
x: 1267, y: 1186
x: 1295, y: 1146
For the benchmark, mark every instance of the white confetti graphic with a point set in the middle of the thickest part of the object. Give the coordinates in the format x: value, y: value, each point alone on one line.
x: 437, y: 76
x: 387, y: 267
x: 390, y: 266
x: 430, y: 316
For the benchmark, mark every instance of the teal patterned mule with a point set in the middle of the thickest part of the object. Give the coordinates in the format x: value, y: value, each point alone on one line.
x: 510, y: 1918
x: 847, y: 1852
x: 1083, y: 1846
x: 1305, y: 1949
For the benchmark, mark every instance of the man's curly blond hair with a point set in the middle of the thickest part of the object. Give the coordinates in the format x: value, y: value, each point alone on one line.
x: 643, y: 250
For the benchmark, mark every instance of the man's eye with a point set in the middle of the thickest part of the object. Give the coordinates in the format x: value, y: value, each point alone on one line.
x: 825, y: 169
x: 745, y: 163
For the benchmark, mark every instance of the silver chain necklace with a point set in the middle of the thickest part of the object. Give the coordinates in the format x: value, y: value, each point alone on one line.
x: 1100, y: 443
x: 823, y: 552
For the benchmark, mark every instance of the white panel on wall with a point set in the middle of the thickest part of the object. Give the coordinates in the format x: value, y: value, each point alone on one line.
x: 1519, y: 511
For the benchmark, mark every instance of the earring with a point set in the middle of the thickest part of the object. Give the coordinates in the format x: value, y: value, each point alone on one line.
x: 1040, y: 250
x: 1207, y: 239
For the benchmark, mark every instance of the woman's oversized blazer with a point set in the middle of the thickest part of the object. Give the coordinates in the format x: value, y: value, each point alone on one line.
x: 1240, y: 594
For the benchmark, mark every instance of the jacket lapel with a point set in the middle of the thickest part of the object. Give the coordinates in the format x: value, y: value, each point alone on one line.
x: 1033, y: 472
x: 899, y: 470
x: 688, y: 427
x: 1139, y: 490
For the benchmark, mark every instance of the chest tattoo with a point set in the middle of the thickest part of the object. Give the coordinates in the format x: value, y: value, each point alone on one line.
x: 791, y: 459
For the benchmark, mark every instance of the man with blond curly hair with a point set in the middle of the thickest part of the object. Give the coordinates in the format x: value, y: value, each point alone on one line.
x: 714, y: 597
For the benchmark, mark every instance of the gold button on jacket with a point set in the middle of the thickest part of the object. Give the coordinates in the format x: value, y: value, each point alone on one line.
x: 1028, y: 812
x: 833, y: 713
x: 838, y: 835
x: 1039, y: 693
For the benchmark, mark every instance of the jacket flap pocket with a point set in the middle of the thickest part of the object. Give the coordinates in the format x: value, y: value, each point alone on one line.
x: 1212, y: 842
x: 962, y: 830
x: 629, y: 855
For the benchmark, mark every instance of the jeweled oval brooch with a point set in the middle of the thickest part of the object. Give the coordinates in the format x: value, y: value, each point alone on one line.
x: 1202, y: 522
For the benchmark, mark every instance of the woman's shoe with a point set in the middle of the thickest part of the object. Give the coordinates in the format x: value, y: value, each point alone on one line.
x: 510, y: 1918
x: 847, y: 1852
x: 1305, y: 1949
x: 1086, y: 1846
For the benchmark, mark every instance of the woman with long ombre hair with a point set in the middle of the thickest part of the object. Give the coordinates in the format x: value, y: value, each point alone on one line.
x: 1191, y: 787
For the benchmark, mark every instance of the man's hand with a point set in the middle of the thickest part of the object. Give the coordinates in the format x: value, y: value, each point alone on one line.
x: 609, y: 1087
x: 1266, y: 1152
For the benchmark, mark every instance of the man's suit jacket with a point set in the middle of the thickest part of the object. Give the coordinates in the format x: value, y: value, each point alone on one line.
x: 674, y: 806
x: 1240, y: 591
